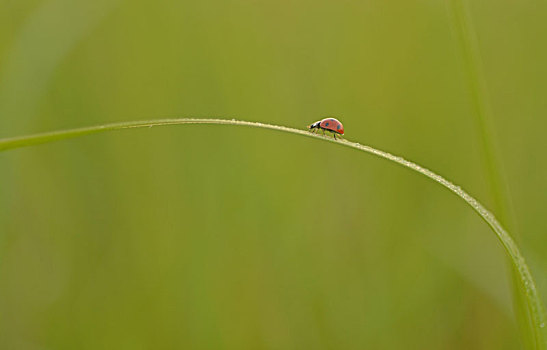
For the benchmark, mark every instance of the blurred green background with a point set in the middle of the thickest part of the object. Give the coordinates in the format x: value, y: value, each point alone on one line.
x: 220, y: 237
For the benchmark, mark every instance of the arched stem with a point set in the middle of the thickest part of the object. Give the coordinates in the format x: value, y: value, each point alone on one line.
x: 532, y: 295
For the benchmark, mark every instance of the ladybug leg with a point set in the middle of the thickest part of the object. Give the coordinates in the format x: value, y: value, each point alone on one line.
x: 334, y: 136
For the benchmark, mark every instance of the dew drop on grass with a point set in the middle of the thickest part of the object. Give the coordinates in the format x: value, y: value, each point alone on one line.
x: 542, y: 325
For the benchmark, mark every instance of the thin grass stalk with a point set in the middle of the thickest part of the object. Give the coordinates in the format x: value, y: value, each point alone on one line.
x: 528, y: 284
x: 466, y: 35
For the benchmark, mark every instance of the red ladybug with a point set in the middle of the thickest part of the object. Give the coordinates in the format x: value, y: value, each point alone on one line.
x: 329, y: 124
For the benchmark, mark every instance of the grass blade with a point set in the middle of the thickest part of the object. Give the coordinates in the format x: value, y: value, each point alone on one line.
x: 476, y: 82
x: 526, y: 280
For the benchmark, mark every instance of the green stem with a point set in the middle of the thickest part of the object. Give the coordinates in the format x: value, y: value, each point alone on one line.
x: 469, y: 45
x: 533, y: 299
x: 479, y: 103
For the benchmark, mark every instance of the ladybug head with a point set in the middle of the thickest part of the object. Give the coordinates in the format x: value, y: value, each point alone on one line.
x: 314, y: 125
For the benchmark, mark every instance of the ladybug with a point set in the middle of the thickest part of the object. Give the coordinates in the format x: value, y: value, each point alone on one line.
x: 330, y: 124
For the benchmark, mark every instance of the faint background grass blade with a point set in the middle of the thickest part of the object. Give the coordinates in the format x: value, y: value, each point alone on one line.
x: 482, y: 111
x: 33, y: 57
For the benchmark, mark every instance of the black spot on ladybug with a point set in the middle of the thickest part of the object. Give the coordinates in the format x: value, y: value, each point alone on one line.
x: 327, y: 124
x: 338, y: 127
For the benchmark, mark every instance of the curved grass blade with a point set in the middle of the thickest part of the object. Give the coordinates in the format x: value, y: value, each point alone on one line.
x: 526, y: 280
